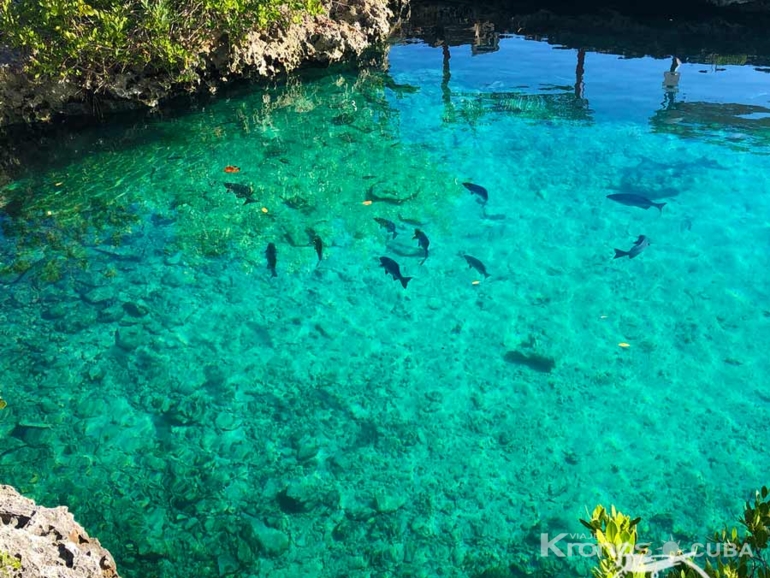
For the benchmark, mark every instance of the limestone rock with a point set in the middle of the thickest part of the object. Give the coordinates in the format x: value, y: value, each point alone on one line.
x: 47, y: 542
x: 271, y: 541
x: 346, y: 30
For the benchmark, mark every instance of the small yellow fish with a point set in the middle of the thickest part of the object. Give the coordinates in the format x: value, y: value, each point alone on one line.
x: 264, y: 209
x: 624, y: 345
x: 367, y: 203
x: 475, y: 282
x: 3, y: 403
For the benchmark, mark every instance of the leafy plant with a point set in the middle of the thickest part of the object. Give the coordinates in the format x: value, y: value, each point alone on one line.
x: 616, y: 538
x: 737, y: 556
x: 744, y: 556
x: 90, y: 40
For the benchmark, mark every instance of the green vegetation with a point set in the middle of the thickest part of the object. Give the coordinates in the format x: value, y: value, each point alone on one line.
x: 616, y: 536
x: 730, y: 59
x: 91, y: 40
x: 9, y: 565
x: 731, y: 553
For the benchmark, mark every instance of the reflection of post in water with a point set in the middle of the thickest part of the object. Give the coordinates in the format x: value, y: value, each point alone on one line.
x: 447, y: 75
x: 485, y: 38
x: 446, y: 92
x: 579, y: 71
x: 671, y: 83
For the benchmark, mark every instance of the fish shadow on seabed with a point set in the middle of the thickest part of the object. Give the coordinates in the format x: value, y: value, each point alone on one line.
x: 402, y: 249
x: 491, y: 217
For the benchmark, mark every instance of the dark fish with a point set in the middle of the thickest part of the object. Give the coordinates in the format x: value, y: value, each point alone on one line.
x: 392, y: 267
x: 423, y: 241
x: 633, y: 200
x: 389, y: 226
x: 271, y: 258
x: 639, y: 245
x: 477, y: 190
x: 476, y: 264
x: 319, y: 247
x: 241, y: 191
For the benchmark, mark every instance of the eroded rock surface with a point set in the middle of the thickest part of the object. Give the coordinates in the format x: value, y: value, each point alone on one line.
x: 345, y: 31
x: 47, y: 542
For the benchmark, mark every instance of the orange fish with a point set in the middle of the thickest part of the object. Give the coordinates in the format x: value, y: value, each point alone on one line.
x: 232, y: 169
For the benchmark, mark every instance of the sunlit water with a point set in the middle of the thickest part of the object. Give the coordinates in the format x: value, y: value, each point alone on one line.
x: 204, y: 418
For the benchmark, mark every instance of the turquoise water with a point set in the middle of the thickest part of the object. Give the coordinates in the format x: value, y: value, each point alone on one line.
x: 203, y: 418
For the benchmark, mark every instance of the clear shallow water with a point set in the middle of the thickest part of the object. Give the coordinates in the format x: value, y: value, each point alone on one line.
x: 198, y: 415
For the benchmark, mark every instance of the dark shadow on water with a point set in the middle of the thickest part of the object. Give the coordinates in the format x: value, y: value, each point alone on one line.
x: 693, y: 29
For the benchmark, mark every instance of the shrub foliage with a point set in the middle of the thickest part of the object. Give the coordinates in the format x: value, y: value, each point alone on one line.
x: 740, y: 553
x: 90, y: 40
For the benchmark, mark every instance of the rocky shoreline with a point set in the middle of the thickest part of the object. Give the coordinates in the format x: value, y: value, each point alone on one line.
x: 346, y: 30
x: 695, y: 29
x: 37, y: 541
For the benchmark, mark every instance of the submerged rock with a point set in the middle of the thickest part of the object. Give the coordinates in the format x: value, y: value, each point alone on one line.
x: 110, y: 314
x: 135, y: 309
x: 47, y: 542
x: 271, y: 541
x: 99, y: 296
x: 76, y: 320
x: 388, y: 502
x: 129, y: 338
x: 56, y: 311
